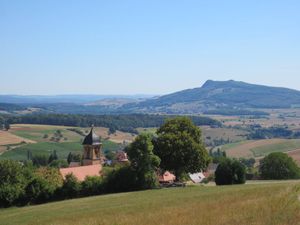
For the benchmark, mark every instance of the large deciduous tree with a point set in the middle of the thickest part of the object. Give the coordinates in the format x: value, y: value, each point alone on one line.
x: 279, y: 166
x: 180, y: 148
x: 12, y: 182
x: 143, y: 161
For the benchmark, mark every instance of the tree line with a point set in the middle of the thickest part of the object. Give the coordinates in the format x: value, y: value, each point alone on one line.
x: 126, y: 123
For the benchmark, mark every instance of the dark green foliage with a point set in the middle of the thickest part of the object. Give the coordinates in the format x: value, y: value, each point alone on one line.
x: 53, y: 156
x: 249, y: 163
x: 59, y: 163
x: 39, y: 190
x: 143, y: 161
x: 6, y: 126
x: 235, y: 112
x: 40, y: 160
x: 71, y: 187
x: 12, y: 182
x: 230, y: 172
x: 92, y: 186
x: 180, y: 148
x: 217, y: 156
x: 110, y: 155
x: 122, y: 179
x: 72, y: 157
x: 126, y: 123
x: 279, y: 166
x: 271, y: 132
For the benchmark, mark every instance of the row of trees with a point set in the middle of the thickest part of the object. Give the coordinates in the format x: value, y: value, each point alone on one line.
x: 127, y: 123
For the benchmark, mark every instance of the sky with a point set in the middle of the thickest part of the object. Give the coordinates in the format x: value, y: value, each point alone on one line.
x: 146, y: 47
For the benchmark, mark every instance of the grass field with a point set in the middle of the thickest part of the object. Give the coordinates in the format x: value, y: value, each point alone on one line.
x: 263, y: 204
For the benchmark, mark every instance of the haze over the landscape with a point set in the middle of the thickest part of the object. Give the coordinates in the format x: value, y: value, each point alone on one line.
x: 146, y: 47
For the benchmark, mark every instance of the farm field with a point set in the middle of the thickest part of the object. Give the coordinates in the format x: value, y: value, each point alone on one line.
x: 7, y: 138
x: 295, y: 155
x: 259, y: 148
x: 226, y: 205
x: 39, y: 139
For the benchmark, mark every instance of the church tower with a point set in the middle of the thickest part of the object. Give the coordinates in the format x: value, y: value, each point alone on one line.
x: 92, y: 149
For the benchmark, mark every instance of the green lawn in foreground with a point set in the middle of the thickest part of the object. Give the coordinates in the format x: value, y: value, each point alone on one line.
x: 288, y: 145
x: 62, y: 149
x: 263, y: 204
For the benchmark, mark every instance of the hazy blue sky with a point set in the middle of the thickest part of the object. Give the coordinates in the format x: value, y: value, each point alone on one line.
x: 145, y: 46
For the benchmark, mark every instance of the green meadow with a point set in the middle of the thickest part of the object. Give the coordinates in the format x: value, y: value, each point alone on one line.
x: 259, y: 204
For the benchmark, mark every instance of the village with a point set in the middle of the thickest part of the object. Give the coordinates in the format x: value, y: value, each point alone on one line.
x: 93, y: 161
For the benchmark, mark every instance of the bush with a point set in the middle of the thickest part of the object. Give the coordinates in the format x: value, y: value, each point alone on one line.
x: 279, y: 166
x: 39, y: 190
x: 92, y: 186
x: 230, y: 172
x: 122, y: 179
x: 71, y: 187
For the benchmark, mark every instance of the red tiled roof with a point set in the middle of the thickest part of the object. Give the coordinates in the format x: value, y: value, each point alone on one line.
x: 166, y: 177
x: 82, y: 172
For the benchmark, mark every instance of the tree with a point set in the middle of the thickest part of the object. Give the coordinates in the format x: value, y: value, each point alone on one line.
x: 7, y: 126
x: 279, y: 166
x: 110, y: 155
x: 40, y: 160
x: 12, y: 182
x: 143, y: 161
x: 180, y: 148
x: 59, y: 163
x: 230, y: 172
x: 53, y: 156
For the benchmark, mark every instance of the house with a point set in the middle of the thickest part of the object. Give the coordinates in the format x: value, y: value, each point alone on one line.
x: 81, y: 172
x: 121, y: 156
x: 197, y: 177
x: 166, y: 177
x: 92, y: 159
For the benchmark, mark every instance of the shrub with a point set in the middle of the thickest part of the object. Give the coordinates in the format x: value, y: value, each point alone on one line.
x: 92, y: 186
x: 71, y: 187
x: 230, y: 172
x: 121, y: 180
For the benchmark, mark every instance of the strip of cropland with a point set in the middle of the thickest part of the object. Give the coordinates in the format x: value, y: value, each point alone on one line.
x: 275, y: 203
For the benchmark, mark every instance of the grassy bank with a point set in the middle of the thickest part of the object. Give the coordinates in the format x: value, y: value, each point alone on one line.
x: 265, y: 204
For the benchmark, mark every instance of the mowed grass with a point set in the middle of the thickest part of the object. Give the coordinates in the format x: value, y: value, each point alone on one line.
x: 264, y: 204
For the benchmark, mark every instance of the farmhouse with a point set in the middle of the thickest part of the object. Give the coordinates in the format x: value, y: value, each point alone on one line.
x: 92, y: 159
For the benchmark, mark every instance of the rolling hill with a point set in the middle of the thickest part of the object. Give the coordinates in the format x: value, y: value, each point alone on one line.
x: 221, y: 94
x: 214, y: 97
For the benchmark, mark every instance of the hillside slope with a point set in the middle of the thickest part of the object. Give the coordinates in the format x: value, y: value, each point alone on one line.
x: 224, y: 94
x: 232, y: 205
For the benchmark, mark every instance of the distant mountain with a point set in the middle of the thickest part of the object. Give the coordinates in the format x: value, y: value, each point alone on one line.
x: 76, y: 99
x: 214, y: 97
x: 221, y: 94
